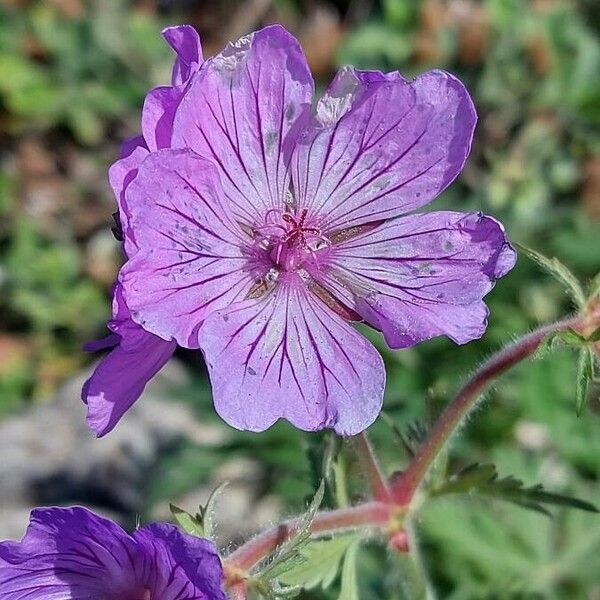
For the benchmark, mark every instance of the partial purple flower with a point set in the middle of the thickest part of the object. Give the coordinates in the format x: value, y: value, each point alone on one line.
x: 266, y: 228
x: 74, y: 554
x: 137, y: 355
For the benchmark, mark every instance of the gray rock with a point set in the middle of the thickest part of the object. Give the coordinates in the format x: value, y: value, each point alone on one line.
x: 49, y: 457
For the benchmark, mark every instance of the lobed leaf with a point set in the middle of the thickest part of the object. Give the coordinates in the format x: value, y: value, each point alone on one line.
x: 288, y: 555
x: 560, y: 272
x: 585, y: 374
x: 483, y: 479
x: 321, y: 562
x: 349, y: 586
x: 208, y: 511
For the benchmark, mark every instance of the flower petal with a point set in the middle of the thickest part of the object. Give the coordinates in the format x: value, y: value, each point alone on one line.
x: 289, y: 356
x: 158, y: 113
x: 191, y: 258
x: 421, y: 276
x: 120, y: 378
x: 242, y: 111
x: 130, y: 144
x: 74, y: 554
x: 381, y: 146
x: 161, y: 103
x: 186, y: 567
x: 68, y: 553
x: 185, y: 41
x: 120, y: 175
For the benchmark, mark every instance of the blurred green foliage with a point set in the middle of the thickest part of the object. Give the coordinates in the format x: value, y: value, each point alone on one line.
x: 532, y: 68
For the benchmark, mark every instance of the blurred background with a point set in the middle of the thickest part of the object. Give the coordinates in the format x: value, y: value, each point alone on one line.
x: 73, y: 74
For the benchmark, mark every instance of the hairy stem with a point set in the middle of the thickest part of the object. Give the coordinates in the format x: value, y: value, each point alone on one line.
x: 371, y: 514
x: 406, y: 484
x: 370, y: 466
x: 238, y: 591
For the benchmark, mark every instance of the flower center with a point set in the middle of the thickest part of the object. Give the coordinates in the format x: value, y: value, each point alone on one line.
x: 290, y: 241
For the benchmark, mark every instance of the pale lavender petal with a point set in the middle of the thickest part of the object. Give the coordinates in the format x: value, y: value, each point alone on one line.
x: 289, y: 356
x: 185, y: 41
x: 158, y: 113
x: 120, y: 175
x: 162, y: 102
x: 381, y: 146
x: 186, y: 567
x: 242, y: 110
x: 421, y: 276
x: 191, y: 258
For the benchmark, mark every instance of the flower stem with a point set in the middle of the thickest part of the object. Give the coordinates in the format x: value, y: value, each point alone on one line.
x: 238, y: 591
x: 377, y: 482
x: 371, y: 514
x: 406, y: 484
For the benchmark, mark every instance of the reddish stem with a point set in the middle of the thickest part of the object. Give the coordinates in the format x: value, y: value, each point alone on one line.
x: 405, y: 485
x: 374, y: 514
x: 238, y: 591
x: 370, y: 465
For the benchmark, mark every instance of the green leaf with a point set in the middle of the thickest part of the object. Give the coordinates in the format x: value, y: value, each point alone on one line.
x: 288, y: 554
x: 322, y: 453
x: 321, y: 562
x: 190, y: 524
x: 349, y: 586
x: 208, y: 511
x: 569, y: 337
x: 595, y: 336
x: 594, y: 288
x: 585, y: 373
x: 412, y: 438
x: 560, y: 272
x: 202, y: 523
x: 477, y: 479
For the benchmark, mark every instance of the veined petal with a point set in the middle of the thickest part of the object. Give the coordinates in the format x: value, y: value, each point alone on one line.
x: 185, y: 567
x: 69, y: 553
x: 242, y: 111
x: 421, y: 276
x: 192, y: 256
x: 381, y: 146
x: 74, y: 554
x: 289, y: 356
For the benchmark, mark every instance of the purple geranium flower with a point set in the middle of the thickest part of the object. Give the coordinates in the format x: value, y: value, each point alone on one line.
x: 263, y: 228
x: 71, y: 553
x: 137, y: 355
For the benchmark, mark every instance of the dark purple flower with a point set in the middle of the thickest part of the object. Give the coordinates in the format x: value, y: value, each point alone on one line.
x: 263, y: 228
x: 73, y: 554
x: 137, y: 355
